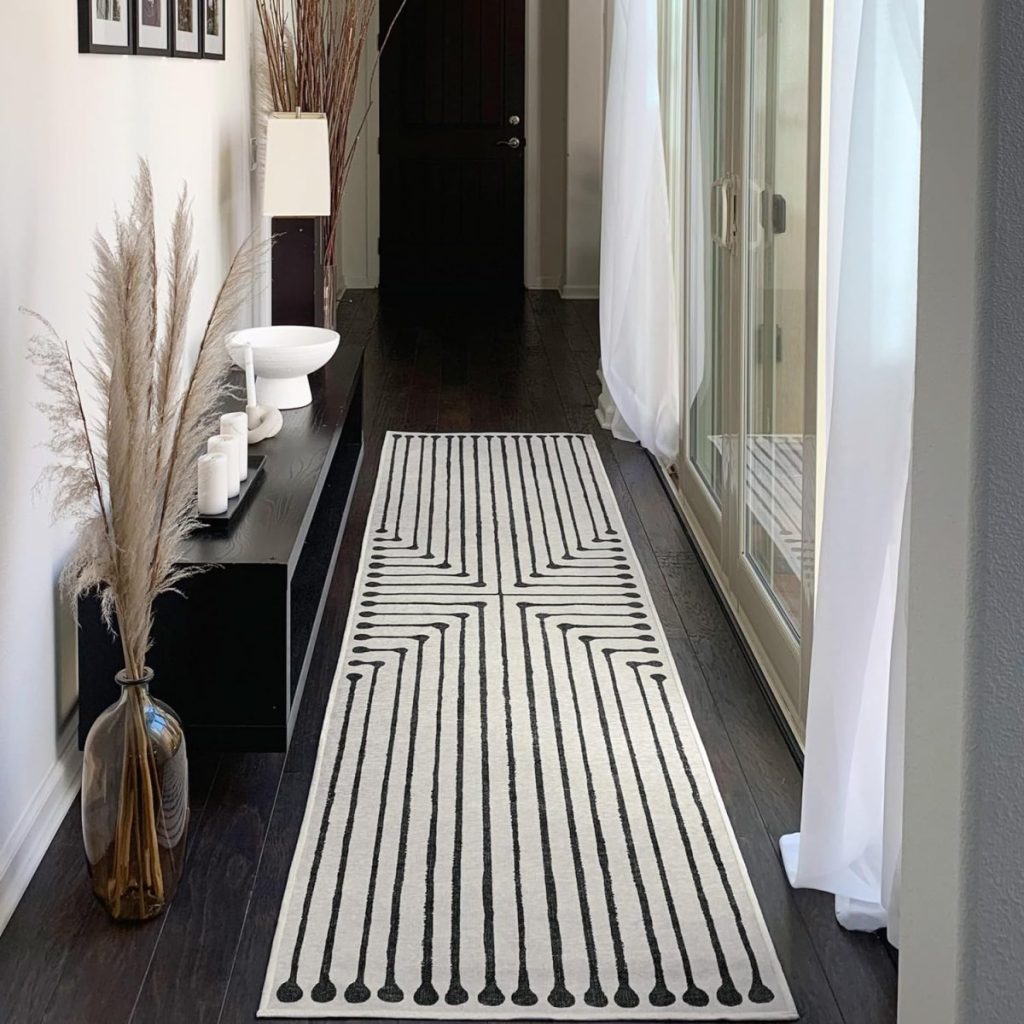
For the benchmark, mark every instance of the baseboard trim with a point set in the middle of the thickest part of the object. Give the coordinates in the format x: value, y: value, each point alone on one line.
x: 543, y: 284
x: 358, y: 284
x: 26, y: 846
x: 579, y: 291
x: 538, y: 284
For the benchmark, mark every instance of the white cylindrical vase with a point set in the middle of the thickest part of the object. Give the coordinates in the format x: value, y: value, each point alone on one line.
x: 213, y: 484
x: 237, y: 423
x: 227, y: 445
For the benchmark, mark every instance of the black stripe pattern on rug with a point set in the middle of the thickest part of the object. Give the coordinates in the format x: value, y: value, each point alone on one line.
x: 512, y: 815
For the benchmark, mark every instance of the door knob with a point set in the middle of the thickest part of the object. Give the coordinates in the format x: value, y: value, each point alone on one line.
x: 513, y: 143
x: 514, y: 120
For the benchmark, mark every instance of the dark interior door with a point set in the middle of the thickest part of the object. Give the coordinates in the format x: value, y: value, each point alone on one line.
x: 451, y: 148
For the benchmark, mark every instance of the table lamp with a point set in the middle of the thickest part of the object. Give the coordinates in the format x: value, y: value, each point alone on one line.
x: 297, y: 196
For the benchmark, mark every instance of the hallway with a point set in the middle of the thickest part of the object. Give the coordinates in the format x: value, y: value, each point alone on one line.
x: 204, y: 961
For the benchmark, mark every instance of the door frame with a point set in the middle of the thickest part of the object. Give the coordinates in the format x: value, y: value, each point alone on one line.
x: 712, y: 519
x: 473, y: 139
x: 357, y: 260
x: 783, y: 660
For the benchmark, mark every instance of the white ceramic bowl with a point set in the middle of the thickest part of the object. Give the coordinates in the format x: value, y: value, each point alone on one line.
x: 282, y: 357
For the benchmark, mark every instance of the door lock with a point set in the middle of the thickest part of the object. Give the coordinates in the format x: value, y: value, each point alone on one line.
x: 514, y: 120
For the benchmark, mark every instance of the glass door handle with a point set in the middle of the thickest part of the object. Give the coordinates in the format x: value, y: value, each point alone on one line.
x: 723, y: 226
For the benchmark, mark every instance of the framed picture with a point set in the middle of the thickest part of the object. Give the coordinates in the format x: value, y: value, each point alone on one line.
x: 187, y: 34
x: 105, y: 26
x: 213, y: 29
x: 153, y: 27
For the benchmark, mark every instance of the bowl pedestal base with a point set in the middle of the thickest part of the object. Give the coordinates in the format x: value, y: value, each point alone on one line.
x: 283, y: 392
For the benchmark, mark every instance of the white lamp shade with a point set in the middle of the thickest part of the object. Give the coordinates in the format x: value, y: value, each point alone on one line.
x: 297, y: 179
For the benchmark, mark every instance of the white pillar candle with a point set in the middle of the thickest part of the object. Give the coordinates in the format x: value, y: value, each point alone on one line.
x: 250, y: 388
x: 237, y: 423
x: 227, y: 445
x: 213, y: 484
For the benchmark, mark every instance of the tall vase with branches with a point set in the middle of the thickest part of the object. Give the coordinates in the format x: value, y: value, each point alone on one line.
x: 313, y: 52
x: 125, y: 429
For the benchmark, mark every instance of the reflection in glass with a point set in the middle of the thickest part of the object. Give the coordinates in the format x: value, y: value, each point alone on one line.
x: 705, y: 337
x: 776, y: 221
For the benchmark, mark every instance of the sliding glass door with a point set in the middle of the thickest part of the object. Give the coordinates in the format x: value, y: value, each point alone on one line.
x: 705, y: 404
x: 710, y: 246
x: 746, y: 471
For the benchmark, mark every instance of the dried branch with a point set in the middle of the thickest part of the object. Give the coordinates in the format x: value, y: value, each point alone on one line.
x: 313, y: 52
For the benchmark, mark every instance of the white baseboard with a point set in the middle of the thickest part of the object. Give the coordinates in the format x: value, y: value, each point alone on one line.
x: 579, y: 291
x: 537, y: 284
x: 543, y: 284
x: 24, y: 849
x: 355, y: 284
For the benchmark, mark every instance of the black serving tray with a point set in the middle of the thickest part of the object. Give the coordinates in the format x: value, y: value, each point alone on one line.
x: 235, y: 505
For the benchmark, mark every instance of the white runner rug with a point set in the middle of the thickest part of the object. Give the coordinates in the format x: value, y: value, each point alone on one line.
x: 512, y: 815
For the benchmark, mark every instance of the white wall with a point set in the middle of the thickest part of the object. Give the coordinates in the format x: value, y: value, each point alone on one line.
x: 563, y: 157
x: 358, y: 262
x: 962, y: 891
x: 585, y: 69
x: 72, y: 126
x: 547, y: 53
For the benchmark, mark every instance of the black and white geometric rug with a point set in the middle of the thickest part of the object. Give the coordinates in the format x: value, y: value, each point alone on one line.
x: 512, y: 815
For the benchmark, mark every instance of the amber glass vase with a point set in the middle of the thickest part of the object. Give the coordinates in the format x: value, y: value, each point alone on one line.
x: 135, y: 803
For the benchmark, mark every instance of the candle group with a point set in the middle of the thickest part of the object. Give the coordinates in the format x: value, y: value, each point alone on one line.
x: 225, y: 465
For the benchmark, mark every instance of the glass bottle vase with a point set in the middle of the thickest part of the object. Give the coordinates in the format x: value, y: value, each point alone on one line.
x: 135, y: 803
x: 330, y: 299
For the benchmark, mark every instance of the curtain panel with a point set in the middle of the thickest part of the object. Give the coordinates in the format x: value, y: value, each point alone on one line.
x: 850, y: 839
x: 639, y: 331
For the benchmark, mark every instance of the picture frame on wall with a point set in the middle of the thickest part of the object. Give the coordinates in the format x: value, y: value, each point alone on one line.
x: 153, y: 27
x: 213, y: 29
x: 187, y: 28
x: 105, y: 26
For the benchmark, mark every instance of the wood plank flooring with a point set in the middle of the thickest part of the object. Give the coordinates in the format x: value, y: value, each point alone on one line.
x: 452, y: 367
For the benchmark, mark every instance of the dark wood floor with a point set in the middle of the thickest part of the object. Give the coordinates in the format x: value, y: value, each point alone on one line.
x: 532, y: 368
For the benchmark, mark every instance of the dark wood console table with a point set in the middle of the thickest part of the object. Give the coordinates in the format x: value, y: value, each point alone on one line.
x: 232, y: 655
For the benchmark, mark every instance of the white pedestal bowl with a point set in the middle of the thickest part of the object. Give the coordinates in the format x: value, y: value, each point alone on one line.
x: 282, y: 358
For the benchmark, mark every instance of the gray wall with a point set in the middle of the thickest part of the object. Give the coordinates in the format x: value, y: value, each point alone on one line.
x: 963, y: 871
x: 994, y: 837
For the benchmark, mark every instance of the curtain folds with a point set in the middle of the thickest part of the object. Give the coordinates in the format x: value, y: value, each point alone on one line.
x: 849, y: 843
x: 639, y: 338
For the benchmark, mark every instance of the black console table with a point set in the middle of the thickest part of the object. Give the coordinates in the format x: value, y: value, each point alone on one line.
x: 231, y: 656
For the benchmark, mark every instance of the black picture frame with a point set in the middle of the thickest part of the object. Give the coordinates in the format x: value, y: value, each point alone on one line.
x: 142, y: 45
x: 178, y: 48
x: 87, y: 36
x: 221, y: 6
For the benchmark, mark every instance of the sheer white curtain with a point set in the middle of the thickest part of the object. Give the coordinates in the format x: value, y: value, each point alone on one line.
x: 699, y: 176
x: 639, y: 339
x: 849, y: 843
